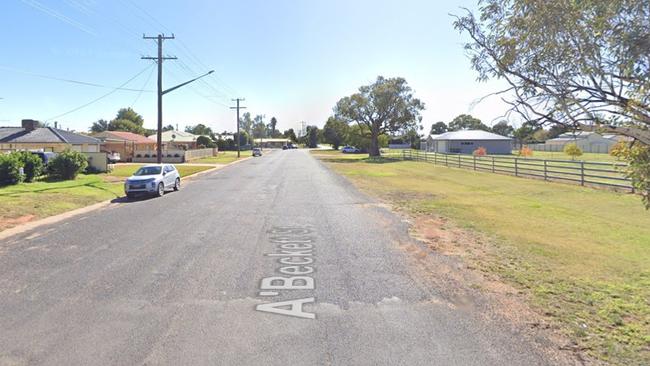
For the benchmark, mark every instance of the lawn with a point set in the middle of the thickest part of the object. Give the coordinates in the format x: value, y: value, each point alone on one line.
x: 223, y: 157
x: 562, y: 156
x: 581, y: 255
x: 32, y: 201
x: 26, y: 202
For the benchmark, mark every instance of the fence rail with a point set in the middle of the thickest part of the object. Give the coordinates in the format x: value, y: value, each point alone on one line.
x: 585, y: 173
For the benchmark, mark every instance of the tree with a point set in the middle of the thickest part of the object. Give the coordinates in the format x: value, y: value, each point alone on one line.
x: 387, y: 105
x: 580, y: 64
x: 467, y: 122
x: 99, y: 126
x: 273, y: 124
x: 438, y: 128
x: 557, y: 130
x: 311, y: 137
x: 290, y: 134
x: 205, y: 141
x: 168, y: 128
x: 127, y: 120
x: 524, y: 134
x: 125, y: 125
x: 246, y: 123
x: 199, y: 129
x: 503, y: 128
x: 572, y: 150
x: 335, y: 132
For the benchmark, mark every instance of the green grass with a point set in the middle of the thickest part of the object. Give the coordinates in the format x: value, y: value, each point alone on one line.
x: 33, y: 201
x: 583, y: 255
x: 224, y: 157
x: 127, y: 170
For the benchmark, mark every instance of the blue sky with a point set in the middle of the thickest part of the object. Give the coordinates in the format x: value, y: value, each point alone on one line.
x: 289, y: 59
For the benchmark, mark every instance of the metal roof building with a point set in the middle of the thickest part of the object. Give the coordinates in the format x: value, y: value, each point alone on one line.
x: 31, y: 137
x: 466, y: 141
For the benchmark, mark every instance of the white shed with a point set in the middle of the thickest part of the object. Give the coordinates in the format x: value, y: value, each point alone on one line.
x: 466, y: 141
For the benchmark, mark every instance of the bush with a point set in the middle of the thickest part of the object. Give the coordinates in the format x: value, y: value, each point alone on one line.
x: 177, y: 155
x: 138, y: 155
x: 10, y: 166
x: 526, y: 152
x: 32, y: 165
x: 572, y: 150
x: 480, y: 151
x: 146, y: 155
x: 67, y: 165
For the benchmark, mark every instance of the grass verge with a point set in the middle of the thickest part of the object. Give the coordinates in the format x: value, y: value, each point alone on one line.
x: 27, y: 202
x: 224, y: 157
x: 581, y: 255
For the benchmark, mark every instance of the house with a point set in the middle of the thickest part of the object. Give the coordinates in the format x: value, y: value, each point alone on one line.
x: 31, y: 137
x: 466, y: 141
x: 177, y: 140
x: 124, y: 143
x: 590, y: 142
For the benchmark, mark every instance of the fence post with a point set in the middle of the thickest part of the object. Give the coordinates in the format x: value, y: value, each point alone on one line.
x: 545, y: 171
x: 446, y: 160
x: 493, y: 165
x: 459, y: 160
x: 474, y: 161
x: 516, y: 168
x: 582, y: 173
x: 435, y: 158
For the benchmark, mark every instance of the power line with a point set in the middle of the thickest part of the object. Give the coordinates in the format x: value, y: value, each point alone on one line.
x: 145, y: 84
x: 101, y: 97
x: 55, y: 14
x: 71, y: 80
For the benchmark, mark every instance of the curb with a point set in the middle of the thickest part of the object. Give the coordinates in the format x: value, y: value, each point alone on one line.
x: 95, y: 206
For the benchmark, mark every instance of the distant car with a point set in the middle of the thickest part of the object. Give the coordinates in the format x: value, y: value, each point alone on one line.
x: 292, y: 146
x: 153, y: 179
x: 113, y: 157
x: 44, y: 155
x: 350, y: 150
x: 257, y: 151
x: 285, y: 147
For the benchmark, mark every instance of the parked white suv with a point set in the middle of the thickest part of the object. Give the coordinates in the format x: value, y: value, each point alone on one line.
x: 153, y: 179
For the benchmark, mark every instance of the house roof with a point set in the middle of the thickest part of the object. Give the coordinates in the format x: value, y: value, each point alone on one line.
x: 123, y: 136
x: 43, y: 135
x: 176, y: 136
x: 479, y: 135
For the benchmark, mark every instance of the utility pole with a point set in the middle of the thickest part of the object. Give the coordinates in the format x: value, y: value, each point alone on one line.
x: 159, y: 60
x: 238, y: 137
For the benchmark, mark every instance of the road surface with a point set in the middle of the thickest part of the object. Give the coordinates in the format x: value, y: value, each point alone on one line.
x: 272, y: 261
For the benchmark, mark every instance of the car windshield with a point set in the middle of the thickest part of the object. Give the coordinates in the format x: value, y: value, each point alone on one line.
x: 148, y: 170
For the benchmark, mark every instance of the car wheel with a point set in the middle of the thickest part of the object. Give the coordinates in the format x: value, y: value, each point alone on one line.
x: 130, y: 196
x: 161, y: 189
x: 177, y: 185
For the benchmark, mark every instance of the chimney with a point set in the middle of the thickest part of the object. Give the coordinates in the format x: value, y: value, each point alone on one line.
x: 56, y: 124
x: 29, y: 124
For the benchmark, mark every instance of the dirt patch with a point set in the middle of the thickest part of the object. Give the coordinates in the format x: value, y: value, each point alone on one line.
x: 7, y: 223
x: 454, y: 260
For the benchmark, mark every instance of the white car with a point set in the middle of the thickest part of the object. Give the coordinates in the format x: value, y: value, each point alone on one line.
x: 350, y: 150
x: 153, y: 179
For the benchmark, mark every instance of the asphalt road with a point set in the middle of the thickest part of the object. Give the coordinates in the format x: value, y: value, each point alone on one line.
x: 204, y: 277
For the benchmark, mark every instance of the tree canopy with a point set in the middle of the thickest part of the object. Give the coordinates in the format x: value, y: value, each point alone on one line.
x: 503, y: 128
x: 438, y: 128
x: 335, y: 132
x: 467, y: 122
x: 127, y: 120
x: 99, y: 126
x: 582, y: 64
x: 387, y: 105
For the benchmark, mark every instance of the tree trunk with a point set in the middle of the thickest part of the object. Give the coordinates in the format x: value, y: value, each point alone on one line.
x: 374, y: 143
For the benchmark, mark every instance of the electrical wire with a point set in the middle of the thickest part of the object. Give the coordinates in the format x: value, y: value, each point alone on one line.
x: 101, y: 97
x: 55, y: 14
x: 145, y: 84
x: 6, y: 68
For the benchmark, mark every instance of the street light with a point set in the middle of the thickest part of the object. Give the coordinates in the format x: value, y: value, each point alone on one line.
x: 160, y: 122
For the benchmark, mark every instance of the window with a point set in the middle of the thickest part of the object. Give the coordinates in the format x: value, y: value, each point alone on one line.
x: 466, y: 143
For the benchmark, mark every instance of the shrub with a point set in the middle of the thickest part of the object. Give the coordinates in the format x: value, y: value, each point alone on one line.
x: 177, y: 155
x: 67, y: 165
x: 169, y: 155
x: 526, y: 152
x: 138, y: 155
x: 10, y: 166
x: 32, y: 165
x: 638, y: 169
x: 480, y: 151
x: 572, y: 150
x: 147, y: 156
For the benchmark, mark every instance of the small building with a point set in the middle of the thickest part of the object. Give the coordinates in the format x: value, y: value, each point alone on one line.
x: 31, y: 137
x: 589, y: 142
x: 124, y: 143
x: 177, y: 140
x: 272, y: 143
x: 467, y: 141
